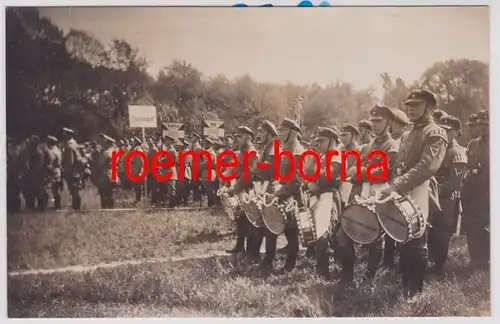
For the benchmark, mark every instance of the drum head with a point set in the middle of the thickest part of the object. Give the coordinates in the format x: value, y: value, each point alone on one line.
x: 274, y: 219
x: 392, y: 221
x: 254, y: 214
x: 360, y: 224
x: 322, y: 213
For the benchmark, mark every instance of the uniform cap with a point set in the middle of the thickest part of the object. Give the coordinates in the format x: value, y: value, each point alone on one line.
x: 473, y: 118
x: 349, y: 128
x: 138, y: 140
x: 379, y: 112
x: 108, y: 139
x: 52, y: 138
x: 195, y: 135
x: 365, y: 124
x: 245, y: 130
x: 421, y: 95
x: 327, y: 133
x: 209, y: 141
x: 400, y: 117
x: 438, y: 114
x: 290, y: 124
x: 185, y: 142
x: 483, y: 117
x: 170, y: 137
x: 68, y: 130
x: 450, y: 123
x: 269, y: 127
x: 229, y: 136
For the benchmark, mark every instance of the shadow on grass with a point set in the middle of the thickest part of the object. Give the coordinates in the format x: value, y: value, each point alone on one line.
x: 224, y: 286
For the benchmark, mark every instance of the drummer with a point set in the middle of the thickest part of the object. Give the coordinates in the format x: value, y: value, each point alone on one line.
x: 419, y: 157
x: 244, y: 231
x: 288, y: 136
x: 268, y: 133
x: 326, y: 191
x: 380, y: 118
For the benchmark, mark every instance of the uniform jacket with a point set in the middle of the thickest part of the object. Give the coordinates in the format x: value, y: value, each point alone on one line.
x: 420, y: 155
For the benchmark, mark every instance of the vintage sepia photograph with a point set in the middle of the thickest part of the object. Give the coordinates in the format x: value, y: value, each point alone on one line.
x: 177, y: 162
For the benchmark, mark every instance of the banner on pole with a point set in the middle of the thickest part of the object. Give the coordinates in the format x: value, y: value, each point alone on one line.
x: 142, y: 116
x: 213, y: 128
x: 173, y: 129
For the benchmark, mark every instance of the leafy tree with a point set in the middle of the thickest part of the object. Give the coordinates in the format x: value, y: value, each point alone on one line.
x: 75, y: 80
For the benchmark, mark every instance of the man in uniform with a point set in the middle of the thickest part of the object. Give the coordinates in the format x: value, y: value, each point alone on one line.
x: 228, y: 142
x: 35, y: 178
x: 136, y: 167
x: 420, y: 155
x: 380, y: 118
x: 325, y: 190
x: 184, y: 184
x: 438, y: 114
x: 473, y: 126
x: 166, y: 188
x: 244, y: 230
x: 104, y: 170
x: 196, y: 182
x: 398, y: 126
x: 207, y: 173
x: 288, y: 133
x: 449, y: 177
x: 365, y: 132
x: 14, y: 183
x: 54, y: 170
x: 348, y: 136
x: 476, y: 196
x: 268, y: 134
x: 72, y: 167
x: 151, y: 147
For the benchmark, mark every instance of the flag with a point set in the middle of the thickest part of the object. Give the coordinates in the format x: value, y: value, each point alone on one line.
x: 298, y: 110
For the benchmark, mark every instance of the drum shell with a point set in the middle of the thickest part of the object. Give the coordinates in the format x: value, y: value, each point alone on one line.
x: 400, y: 219
x: 360, y: 224
x: 305, y: 224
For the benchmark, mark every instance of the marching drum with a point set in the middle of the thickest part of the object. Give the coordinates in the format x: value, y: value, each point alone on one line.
x: 273, y: 214
x: 305, y: 222
x: 251, y: 204
x: 314, y: 220
x: 359, y: 221
x: 400, y: 217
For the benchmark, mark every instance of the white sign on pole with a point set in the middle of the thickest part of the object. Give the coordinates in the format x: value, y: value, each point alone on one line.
x: 173, y: 129
x: 212, y: 129
x: 142, y: 116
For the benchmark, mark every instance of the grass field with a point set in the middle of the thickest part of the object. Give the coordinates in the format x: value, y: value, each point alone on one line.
x: 212, y: 286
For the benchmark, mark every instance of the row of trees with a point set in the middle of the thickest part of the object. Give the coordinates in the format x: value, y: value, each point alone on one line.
x: 77, y: 81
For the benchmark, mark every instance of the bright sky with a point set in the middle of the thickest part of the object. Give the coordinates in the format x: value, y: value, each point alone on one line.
x: 303, y: 45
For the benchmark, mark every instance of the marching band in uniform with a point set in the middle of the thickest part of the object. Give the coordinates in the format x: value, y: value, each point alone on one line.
x: 433, y: 186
